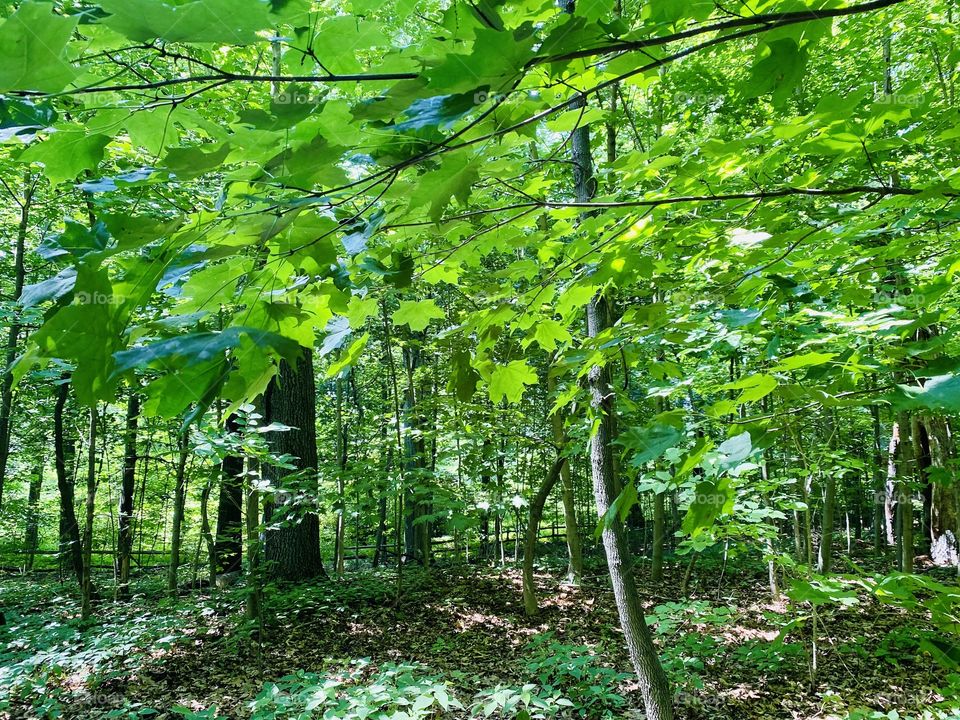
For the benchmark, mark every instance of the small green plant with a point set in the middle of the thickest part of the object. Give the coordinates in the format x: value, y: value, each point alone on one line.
x: 524, y: 703
x: 575, y: 672
x: 393, y: 691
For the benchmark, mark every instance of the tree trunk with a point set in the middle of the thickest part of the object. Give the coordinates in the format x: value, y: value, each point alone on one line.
x: 905, y: 470
x: 70, y: 546
x: 651, y: 678
x: 415, y: 530
x: 254, y: 605
x: 127, y: 484
x: 571, y: 528
x: 179, y: 500
x: 653, y: 683
x: 229, y: 540
x: 659, y: 532
x: 890, y: 491
x: 341, y: 509
x: 32, y: 534
x: 533, y: 534
x: 825, y: 556
x: 86, y: 607
x: 13, y: 334
x: 944, y: 502
x: 878, y: 480
x: 292, y: 550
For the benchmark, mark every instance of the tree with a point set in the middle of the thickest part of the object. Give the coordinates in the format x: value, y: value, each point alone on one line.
x: 127, y: 488
x: 292, y: 546
x: 229, y: 533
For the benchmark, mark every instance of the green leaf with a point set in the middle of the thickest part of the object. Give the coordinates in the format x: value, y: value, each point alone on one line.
x: 417, y: 314
x: 50, y: 289
x: 32, y: 44
x: 464, y: 377
x: 454, y: 179
x: 508, y: 381
x: 67, y: 153
x: 195, y: 348
x: 754, y: 387
x: 940, y: 393
x: 22, y: 117
x: 194, y: 161
x: 649, y: 442
x: 735, y: 450
x: 548, y: 333
x: 350, y: 357
x: 711, y: 500
x: 440, y: 111
x: 202, y: 21
x: 795, y: 362
x: 778, y: 68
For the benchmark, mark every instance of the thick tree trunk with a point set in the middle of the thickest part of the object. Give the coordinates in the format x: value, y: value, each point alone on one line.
x: 179, y: 500
x: 127, y: 484
x: 292, y: 549
x: 229, y: 539
x: 533, y: 534
x: 70, y: 547
x: 13, y: 334
x: 944, y: 515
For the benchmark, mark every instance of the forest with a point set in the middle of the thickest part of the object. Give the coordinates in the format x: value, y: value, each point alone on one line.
x: 411, y: 359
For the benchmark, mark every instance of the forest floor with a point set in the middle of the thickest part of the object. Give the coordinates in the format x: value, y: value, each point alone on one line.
x: 458, y: 635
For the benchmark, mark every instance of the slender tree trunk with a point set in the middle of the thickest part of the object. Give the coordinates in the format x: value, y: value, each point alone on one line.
x: 533, y: 534
x: 654, y: 688
x: 416, y: 531
x: 485, y: 484
x: 32, y: 535
x: 229, y: 540
x: 13, y: 334
x: 688, y: 574
x: 254, y: 605
x: 179, y: 500
x: 825, y: 554
x: 571, y: 527
x: 70, y: 546
x: 292, y: 549
x: 127, y: 484
x: 905, y: 469
x: 890, y: 491
x: 86, y: 607
x: 659, y: 532
x: 878, y: 480
x: 205, y: 531
x: 340, y: 530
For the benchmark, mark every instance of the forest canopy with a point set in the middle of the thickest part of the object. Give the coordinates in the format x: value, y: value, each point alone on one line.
x: 395, y: 305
